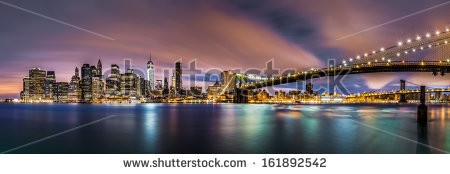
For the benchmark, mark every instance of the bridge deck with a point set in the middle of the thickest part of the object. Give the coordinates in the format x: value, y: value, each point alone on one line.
x: 395, y: 66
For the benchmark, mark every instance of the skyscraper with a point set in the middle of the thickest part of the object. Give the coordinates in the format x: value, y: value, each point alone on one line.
x: 113, y: 82
x: 172, y: 86
x: 97, y: 81
x: 150, y: 74
x: 37, y: 84
x: 86, y: 83
x: 74, y: 87
x: 97, y: 87
x: 166, y: 87
x: 50, y: 81
x: 144, y: 87
x: 25, y: 94
x: 94, y: 71
x: 130, y: 85
x: 61, y: 92
x: 77, y: 72
x: 178, y: 76
x: 99, y: 69
x: 115, y: 71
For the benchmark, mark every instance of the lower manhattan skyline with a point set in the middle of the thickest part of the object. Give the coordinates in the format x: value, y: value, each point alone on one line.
x: 216, y: 34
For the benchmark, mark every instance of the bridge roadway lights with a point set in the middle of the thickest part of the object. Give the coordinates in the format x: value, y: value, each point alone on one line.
x: 422, y: 109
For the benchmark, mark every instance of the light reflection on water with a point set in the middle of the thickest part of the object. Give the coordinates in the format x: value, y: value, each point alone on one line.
x: 224, y: 128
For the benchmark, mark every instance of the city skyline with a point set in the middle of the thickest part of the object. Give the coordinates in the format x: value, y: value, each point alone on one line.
x: 202, y: 31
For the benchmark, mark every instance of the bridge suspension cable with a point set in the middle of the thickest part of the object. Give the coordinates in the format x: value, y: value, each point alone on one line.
x: 412, y: 83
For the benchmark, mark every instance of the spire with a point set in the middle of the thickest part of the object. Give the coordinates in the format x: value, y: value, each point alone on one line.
x: 77, y: 72
x: 217, y: 83
x: 150, y: 62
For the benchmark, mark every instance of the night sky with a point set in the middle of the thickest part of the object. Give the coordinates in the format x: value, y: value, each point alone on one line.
x: 224, y: 34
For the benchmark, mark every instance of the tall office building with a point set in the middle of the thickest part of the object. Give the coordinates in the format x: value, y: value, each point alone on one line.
x: 97, y: 81
x: 97, y: 87
x: 99, y: 69
x: 166, y: 87
x: 61, y: 92
x: 74, y: 87
x: 115, y: 71
x: 130, y: 85
x: 86, y: 83
x: 94, y: 71
x: 178, y: 76
x: 172, y: 86
x: 144, y: 87
x: 113, y: 83
x: 50, y: 81
x: 150, y: 74
x: 25, y: 94
x: 37, y: 84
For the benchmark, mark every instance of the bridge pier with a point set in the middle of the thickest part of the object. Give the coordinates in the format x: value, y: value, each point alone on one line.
x: 422, y: 109
x: 240, y: 96
x: 402, y: 89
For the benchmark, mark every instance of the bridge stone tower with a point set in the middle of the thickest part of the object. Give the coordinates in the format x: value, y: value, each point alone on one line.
x: 402, y: 89
x: 240, y: 95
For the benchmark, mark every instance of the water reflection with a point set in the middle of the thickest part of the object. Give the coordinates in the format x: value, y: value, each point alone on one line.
x: 422, y: 138
x: 225, y: 128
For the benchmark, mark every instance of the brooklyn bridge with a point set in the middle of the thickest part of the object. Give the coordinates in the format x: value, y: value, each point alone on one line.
x: 422, y: 53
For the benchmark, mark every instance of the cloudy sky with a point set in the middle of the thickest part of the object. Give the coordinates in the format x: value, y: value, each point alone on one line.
x: 60, y: 35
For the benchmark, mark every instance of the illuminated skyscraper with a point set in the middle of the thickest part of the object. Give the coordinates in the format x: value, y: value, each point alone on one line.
x: 115, y: 71
x: 99, y: 69
x: 150, y: 74
x: 172, y: 86
x: 86, y: 83
x: 144, y: 87
x: 37, y: 84
x: 113, y: 82
x: 97, y: 87
x: 61, y: 92
x: 97, y: 81
x: 50, y: 81
x: 166, y: 87
x: 130, y: 85
x: 74, y: 87
x: 25, y: 94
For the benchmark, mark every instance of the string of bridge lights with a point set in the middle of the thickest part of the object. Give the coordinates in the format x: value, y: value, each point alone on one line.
x: 399, y: 44
x: 366, y: 55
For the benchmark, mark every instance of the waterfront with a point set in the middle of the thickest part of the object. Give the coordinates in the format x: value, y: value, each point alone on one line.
x: 222, y: 128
